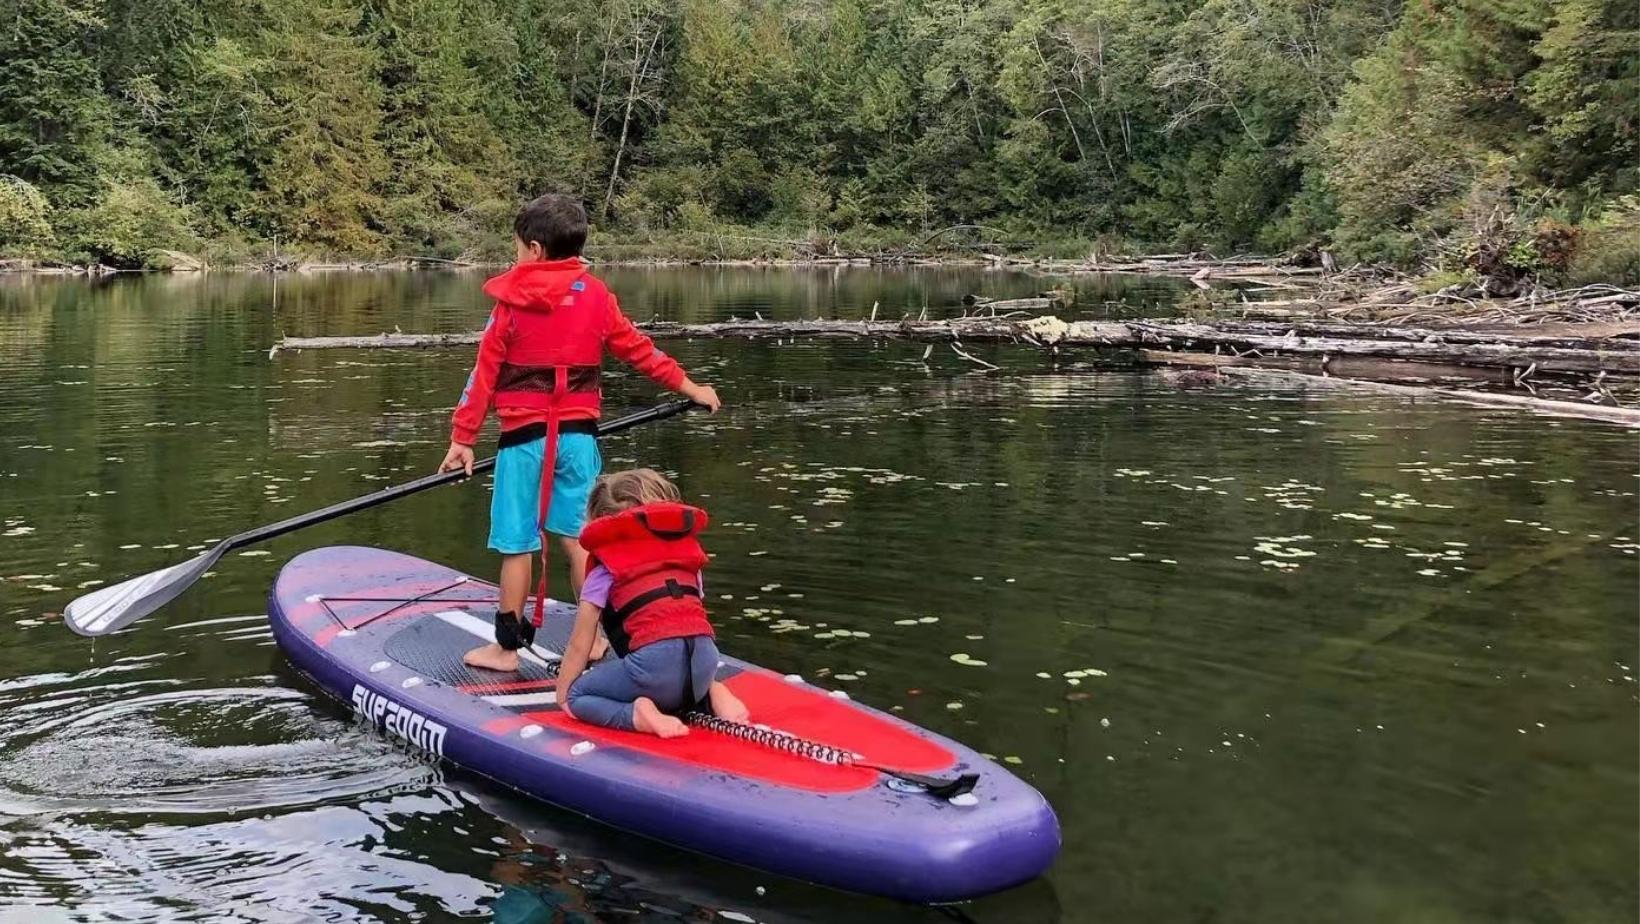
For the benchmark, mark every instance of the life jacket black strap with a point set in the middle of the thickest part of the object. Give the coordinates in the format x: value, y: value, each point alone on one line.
x: 672, y: 589
x: 529, y: 433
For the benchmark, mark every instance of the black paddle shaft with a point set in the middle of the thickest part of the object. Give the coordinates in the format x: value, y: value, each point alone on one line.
x: 388, y: 495
x: 111, y: 608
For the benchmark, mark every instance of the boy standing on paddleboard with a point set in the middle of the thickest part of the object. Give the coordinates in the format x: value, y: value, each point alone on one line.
x: 539, y: 365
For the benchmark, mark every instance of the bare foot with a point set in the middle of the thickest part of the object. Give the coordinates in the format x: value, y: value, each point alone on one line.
x: 726, y: 705
x: 600, y: 647
x: 492, y: 657
x: 650, y: 719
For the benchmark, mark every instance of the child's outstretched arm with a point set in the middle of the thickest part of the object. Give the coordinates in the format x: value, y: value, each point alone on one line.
x: 480, y: 391
x: 633, y: 347
x: 578, y: 650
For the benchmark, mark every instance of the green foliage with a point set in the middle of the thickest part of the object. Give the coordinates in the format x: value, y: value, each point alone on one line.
x: 449, y: 168
x: 658, y: 197
x: 1396, y: 154
x: 1608, y: 250
x: 130, y: 221
x: 1585, y: 93
x: 25, y: 219
x: 1535, y: 95
x: 325, y: 168
x: 1500, y: 248
x: 800, y: 195
x: 53, y: 114
x: 130, y: 218
x: 1370, y: 126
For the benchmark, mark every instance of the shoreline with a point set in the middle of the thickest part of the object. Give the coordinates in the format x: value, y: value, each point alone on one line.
x: 1199, y: 267
x: 1274, y: 288
x: 20, y: 267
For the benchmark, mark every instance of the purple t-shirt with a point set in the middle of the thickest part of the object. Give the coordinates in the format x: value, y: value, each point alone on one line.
x: 595, y: 589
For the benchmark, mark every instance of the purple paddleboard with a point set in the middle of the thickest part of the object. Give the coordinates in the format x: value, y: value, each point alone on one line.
x: 386, y: 632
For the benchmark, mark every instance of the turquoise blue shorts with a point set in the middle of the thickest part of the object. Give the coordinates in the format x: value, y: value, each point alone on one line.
x: 515, y: 503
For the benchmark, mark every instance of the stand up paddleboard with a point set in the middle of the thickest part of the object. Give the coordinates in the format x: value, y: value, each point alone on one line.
x: 795, y: 796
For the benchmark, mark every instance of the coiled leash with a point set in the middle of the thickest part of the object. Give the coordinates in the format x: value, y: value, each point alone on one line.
x: 695, y: 711
x: 939, y: 787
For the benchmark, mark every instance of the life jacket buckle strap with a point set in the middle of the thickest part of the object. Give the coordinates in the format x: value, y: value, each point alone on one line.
x: 671, y: 590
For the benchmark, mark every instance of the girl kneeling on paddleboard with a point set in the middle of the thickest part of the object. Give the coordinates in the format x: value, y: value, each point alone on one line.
x: 644, y: 587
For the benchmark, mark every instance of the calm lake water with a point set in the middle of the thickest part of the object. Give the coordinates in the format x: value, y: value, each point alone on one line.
x: 1336, y: 656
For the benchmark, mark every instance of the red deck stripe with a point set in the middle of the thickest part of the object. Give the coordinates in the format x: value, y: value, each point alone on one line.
x: 506, y: 686
x: 799, y: 710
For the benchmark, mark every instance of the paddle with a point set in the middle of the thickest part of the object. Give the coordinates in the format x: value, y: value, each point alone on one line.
x: 109, y: 609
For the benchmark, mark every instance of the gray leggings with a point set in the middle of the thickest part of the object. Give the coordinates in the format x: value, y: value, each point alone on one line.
x: 604, y: 694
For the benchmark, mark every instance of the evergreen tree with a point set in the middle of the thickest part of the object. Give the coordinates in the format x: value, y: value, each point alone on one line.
x: 324, y: 166
x: 54, y: 117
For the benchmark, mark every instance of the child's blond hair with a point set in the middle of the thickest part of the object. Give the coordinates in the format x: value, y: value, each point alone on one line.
x: 633, y: 487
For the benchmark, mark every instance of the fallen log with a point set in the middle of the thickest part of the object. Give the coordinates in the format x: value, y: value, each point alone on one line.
x: 1044, y: 331
x: 1193, y: 269
x: 1401, y: 303
x: 1604, y: 337
x: 1035, y: 304
x: 1628, y: 417
x: 1342, y: 368
x: 1051, y: 332
x: 394, y: 341
x: 1498, y: 352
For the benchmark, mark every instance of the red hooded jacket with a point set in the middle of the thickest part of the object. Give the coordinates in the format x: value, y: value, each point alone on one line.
x: 553, y: 320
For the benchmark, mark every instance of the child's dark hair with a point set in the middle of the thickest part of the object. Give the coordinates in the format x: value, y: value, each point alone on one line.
x: 556, y: 222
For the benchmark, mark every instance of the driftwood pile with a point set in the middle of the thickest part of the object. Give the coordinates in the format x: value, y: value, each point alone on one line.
x: 1400, y: 303
x: 1199, y: 268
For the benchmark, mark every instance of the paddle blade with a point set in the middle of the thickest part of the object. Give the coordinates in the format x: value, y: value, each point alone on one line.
x: 110, y: 609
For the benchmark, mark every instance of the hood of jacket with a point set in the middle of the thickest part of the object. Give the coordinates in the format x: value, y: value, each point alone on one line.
x: 538, y: 285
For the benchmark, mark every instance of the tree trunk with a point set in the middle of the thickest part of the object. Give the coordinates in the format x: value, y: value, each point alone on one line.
x: 1059, y: 97
x: 598, y: 101
x: 626, y: 121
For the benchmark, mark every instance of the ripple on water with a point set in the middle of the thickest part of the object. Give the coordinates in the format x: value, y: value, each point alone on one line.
x: 316, y: 863
x: 228, y: 750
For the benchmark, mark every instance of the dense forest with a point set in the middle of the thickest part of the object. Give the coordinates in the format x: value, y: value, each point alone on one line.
x: 1414, y: 132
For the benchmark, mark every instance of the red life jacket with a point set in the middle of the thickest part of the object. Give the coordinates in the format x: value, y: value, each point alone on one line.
x: 555, y: 348
x: 653, y: 555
